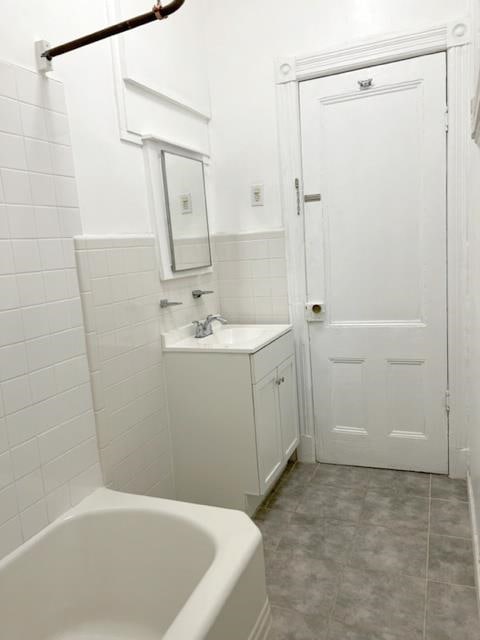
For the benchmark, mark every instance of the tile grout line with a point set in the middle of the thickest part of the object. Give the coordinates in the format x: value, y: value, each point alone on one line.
x: 427, y: 562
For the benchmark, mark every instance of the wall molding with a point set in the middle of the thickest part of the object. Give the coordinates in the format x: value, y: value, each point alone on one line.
x: 122, y: 81
x: 374, y: 51
x: 454, y: 38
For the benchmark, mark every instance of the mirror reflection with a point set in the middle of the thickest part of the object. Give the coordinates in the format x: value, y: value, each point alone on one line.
x: 186, y: 203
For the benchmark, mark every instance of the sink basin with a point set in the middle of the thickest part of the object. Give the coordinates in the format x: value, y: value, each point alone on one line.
x: 230, y: 338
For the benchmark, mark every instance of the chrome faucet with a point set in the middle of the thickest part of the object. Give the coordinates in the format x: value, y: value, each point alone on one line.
x: 204, y: 329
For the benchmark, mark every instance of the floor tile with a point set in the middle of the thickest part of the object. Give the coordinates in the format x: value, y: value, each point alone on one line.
x: 381, y: 603
x: 451, y: 560
x: 449, y: 518
x: 447, y: 489
x: 337, y: 503
x: 318, y: 537
x: 271, y: 523
x: 400, y: 512
x: 286, y: 497
x: 341, y: 476
x: 391, y: 482
x: 382, y: 549
x: 302, y: 583
x: 290, y: 625
x: 340, y: 631
x: 451, y: 613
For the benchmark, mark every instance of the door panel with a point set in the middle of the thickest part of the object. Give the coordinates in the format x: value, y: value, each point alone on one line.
x: 376, y: 257
x: 269, y: 446
x: 288, y: 407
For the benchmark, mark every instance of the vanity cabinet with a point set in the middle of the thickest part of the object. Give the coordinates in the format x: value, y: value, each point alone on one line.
x: 234, y: 422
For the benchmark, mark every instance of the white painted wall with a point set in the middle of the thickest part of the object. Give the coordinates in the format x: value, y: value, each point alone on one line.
x: 110, y: 172
x: 244, y: 38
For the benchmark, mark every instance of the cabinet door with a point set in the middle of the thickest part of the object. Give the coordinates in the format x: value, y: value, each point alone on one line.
x: 288, y: 398
x: 267, y: 426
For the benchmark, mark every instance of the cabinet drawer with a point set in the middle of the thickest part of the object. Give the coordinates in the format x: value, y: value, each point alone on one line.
x: 271, y: 356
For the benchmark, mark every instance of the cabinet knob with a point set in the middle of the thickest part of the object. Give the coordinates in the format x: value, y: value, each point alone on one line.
x: 280, y: 381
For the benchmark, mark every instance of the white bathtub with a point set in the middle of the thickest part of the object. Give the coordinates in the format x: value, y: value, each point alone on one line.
x: 122, y: 567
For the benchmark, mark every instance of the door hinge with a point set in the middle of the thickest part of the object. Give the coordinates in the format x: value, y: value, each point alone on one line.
x: 447, y: 400
x: 447, y: 119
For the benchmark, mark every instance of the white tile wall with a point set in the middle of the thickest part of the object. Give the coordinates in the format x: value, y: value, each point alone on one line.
x: 48, y: 453
x: 252, y: 277
x: 121, y: 291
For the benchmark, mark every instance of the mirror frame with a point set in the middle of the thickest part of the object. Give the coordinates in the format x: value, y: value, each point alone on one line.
x: 169, y: 213
x: 157, y: 202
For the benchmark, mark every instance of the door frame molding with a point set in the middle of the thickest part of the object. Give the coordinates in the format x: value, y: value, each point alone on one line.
x: 454, y: 38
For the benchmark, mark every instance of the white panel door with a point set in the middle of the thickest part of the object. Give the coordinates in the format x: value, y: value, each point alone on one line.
x: 374, y: 147
x: 267, y: 426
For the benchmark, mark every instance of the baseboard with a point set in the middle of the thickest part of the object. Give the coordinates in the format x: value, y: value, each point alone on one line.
x: 263, y: 624
x: 475, y: 532
x: 306, y: 449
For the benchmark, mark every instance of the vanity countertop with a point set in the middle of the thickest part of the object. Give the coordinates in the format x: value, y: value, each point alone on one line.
x: 230, y: 338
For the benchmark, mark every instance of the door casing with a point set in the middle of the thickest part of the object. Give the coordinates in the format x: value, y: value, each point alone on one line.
x: 453, y: 38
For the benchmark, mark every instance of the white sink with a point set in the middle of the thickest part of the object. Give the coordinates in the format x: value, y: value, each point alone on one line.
x: 230, y: 338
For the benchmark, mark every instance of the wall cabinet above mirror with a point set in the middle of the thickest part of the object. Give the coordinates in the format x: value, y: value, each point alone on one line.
x: 177, y: 187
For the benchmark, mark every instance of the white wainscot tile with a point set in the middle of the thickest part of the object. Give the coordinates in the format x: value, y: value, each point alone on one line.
x: 30, y: 86
x: 10, y: 116
x: 4, y: 228
x: 31, y: 289
x: 47, y: 221
x: 10, y: 532
x: 62, y: 160
x: 8, y: 293
x: 26, y: 256
x: 40, y: 352
x: 6, y: 470
x: 85, y: 483
x: 70, y: 222
x: 58, y: 502
x: 4, y: 444
x: 51, y: 254
x: 21, y: 221
x: 16, y: 394
x: 61, y: 439
x: 8, y: 84
x: 6, y: 258
x: 43, y: 384
x: 70, y: 465
x: 10, y: 326
x: 66, y: 192
x: 13, y: 361
x: 54, y: 95
x: 12, y: 151
x: 29, y: 489
x: 57, y: 128
x: 34, y: 519
x: 43, y: 189
x: 33, y: 122
x: 38, y: 155
x: 56, y: 285
x: 25, y: 458
x: 35, y: 322
x: 8, y: 503
x: 71, y: 374
x: 16, y: 187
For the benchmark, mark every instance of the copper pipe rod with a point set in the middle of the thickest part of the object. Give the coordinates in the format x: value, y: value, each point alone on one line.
x: 157, y: 13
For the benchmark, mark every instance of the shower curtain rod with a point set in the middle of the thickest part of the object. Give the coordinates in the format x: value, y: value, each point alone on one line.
x: 157, y: 13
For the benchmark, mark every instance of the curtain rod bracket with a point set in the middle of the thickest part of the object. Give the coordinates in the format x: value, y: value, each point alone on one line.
x: 44, y: 54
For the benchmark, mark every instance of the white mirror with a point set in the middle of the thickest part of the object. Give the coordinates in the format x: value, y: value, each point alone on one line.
x: 186, y: 207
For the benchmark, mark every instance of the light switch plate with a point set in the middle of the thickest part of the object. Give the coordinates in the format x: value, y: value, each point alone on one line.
x: 257, y: 195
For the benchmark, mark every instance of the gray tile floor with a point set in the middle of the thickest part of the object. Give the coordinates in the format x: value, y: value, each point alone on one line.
x: 369, y: 554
